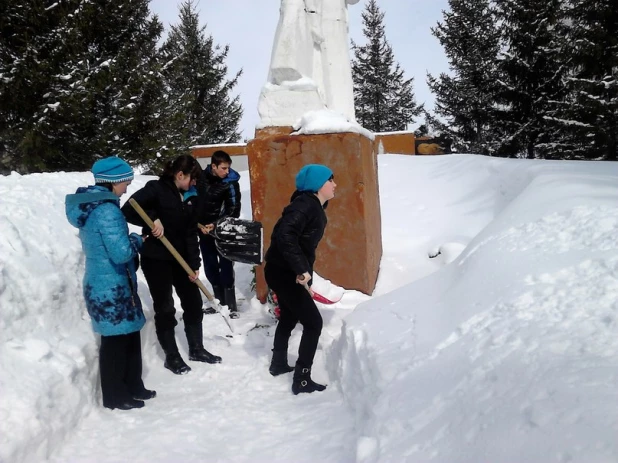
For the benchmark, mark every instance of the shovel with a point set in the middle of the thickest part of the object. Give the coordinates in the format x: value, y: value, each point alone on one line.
x: 239, y: 240
x: 317, y: 296
x: 180, y: 260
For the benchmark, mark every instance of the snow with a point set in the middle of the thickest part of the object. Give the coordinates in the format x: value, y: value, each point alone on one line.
x: 491, y: 335
x: 221, y: 145
x: 398, y: 132
x: 328, y: 121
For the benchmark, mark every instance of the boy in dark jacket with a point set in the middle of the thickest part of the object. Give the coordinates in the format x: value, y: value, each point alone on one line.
x: 218, y: 197
x: 289, y: 269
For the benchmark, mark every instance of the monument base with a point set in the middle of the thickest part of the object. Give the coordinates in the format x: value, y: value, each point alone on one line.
x: 282, y: 106
x: 350, y: 251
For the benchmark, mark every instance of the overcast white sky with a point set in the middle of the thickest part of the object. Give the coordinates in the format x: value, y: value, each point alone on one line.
x: 248, y: 27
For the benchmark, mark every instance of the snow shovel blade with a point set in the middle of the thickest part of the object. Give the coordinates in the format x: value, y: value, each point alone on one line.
x: 317, y: 296
x: 231, y: 228
x: 246, y: 253
x: 321, y: 299
x: 240, y: 240
x: 214, y: 304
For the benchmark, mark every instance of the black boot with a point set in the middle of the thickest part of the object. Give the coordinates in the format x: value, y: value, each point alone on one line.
x: 302, y: 381
x: 218, y: 294
x: 230, y: 301
x: 127, y: 405
x: 145, y: 395
x: 173, y: 360
x: 279, y: 363
x: 197, y: 353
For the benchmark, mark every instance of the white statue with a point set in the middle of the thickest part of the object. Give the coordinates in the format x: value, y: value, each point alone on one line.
x: 310, y: 63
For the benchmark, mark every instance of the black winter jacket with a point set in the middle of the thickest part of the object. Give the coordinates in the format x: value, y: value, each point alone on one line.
x: 161, y: 200
x: 297, y: 234
x: 217, y: 197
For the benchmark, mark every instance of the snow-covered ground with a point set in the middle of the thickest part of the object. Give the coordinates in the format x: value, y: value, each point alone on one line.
x: 491, y: 336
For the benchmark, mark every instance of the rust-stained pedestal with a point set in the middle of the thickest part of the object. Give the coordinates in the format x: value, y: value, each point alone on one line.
x: 350, y: 252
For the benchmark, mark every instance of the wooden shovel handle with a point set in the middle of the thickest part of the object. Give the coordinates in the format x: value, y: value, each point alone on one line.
x: 170, y: 248
x: 181, y: 261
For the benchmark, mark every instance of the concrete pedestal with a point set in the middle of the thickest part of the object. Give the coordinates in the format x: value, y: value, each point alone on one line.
x: 350, y: 251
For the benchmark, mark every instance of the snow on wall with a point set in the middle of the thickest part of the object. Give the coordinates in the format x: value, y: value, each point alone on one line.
x: 56, y: 345
x: 47, y: 345
x: 510, y: 350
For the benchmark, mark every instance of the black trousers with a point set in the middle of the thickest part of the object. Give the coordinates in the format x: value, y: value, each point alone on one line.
x: 296, y: 306
x: 218, y: 269
x: 120, y: 364
x: 162, y: 277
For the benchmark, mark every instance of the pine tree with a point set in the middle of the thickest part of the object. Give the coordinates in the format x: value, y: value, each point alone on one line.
x: 108, y: 99
x: 31, y: 50
x: 200, y: 108
x: 465, y: 98
x: 587, y: 118
x: 384, y: 99
x: 530, y: 75
x: 96, y: 86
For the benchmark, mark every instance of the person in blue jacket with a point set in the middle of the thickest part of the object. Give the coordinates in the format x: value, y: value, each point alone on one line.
x: 110, y: 282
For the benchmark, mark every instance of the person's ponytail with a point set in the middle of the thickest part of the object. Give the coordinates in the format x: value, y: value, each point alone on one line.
x: 185, y: 163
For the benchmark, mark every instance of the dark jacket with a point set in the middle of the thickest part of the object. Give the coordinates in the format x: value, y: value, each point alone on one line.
x: 161, y: 200
x: 110, y: 282
x: 217, y: 197
x: 297, y: 234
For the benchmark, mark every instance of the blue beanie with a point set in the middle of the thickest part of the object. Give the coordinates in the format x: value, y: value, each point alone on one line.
x: 312, y: 177
x: 111, y: 170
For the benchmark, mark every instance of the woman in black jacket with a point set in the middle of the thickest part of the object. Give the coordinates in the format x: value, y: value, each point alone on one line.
x: 162, y: 200
x: 288, y: 271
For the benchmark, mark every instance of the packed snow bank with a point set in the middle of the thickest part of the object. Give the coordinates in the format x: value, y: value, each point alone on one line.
x: 48, y: 352
x: 433, y: 206
x: 511, y: 351
x: 506, y: 352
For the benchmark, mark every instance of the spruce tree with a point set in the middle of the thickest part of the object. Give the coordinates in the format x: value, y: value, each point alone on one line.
x: 31, y: 51
x: 199, y: 106
x: 587, y: 118
x: 530, y: 75
x: 383, y: 97
x: 91, y: 85
x: 465, y: 98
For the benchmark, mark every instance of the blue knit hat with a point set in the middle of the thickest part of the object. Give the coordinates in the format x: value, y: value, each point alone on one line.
x: 312, y: 177
x: 111, y: 170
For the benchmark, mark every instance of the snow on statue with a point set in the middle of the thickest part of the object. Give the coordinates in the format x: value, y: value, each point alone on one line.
x: 310, y: 63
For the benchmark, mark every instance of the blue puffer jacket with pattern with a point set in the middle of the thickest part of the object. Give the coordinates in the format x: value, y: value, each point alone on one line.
x: 110, y: 282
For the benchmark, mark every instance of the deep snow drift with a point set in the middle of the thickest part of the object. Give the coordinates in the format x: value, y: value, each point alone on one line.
x: 491, y: 335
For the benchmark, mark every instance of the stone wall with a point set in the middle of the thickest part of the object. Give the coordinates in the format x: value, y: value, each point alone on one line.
x: 350, y: 252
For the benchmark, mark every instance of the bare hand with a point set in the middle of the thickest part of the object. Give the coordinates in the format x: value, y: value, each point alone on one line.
x: 195, y: 276
x: 303, y: 279
x: 157, y: 230
x: 206, y: 229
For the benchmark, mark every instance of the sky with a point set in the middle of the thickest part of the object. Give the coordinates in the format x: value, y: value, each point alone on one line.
x: 490, y: 336
x: 248, y: 27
